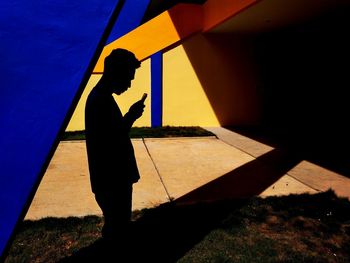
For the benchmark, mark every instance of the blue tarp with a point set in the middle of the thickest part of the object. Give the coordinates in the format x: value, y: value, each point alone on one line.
x: 46, y: 50
x: 129, y: 19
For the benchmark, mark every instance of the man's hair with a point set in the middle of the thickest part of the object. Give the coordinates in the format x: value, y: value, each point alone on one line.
x: 119, y: 59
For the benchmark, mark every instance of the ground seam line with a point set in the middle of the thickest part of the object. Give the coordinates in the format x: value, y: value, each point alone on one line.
x: 155, y: 166
x: 297, y: 179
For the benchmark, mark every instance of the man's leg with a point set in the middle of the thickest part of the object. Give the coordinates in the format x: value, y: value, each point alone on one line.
x: 116, y: 207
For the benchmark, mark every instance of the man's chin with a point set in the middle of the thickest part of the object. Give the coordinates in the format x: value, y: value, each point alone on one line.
x: 119, y: 92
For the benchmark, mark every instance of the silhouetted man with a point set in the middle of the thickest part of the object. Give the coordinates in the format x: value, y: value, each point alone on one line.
x: 112, y: 164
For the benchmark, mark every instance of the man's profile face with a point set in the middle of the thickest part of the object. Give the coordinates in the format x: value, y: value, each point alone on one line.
x: 120, y: 81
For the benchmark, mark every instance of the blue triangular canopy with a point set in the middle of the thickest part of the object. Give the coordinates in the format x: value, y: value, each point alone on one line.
x: 47, y: 52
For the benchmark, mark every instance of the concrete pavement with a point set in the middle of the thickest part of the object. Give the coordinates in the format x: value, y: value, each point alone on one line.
x: 182, y: 169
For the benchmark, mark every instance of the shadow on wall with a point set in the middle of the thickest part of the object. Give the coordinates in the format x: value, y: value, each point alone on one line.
x: 223, y: 65
x: 304, y: 82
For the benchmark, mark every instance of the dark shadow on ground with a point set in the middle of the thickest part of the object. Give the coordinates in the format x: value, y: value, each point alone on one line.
x: 163, y: 234
x: 294, y: 228
x: 166, y: 233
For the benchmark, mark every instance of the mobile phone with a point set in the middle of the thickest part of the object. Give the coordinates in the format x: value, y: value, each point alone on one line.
x: 144, y: 96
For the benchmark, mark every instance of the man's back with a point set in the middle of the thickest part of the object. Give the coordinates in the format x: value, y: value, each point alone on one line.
x: 110, y: 151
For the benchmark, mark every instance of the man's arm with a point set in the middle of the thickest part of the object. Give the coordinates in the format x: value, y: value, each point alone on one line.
x: 134, y: 112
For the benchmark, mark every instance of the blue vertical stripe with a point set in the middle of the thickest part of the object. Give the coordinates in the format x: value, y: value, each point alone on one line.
x: 157, y: 89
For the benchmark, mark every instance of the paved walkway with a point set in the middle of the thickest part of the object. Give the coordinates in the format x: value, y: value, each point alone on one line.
x: 184, y: 169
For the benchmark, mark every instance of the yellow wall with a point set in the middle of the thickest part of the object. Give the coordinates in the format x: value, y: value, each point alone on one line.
x: 141, y: 84
x: 184, y: 100
x: 210, y: 81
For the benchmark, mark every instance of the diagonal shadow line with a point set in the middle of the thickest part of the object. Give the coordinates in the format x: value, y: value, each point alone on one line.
x: 165, y: 233
x: 245, y: 181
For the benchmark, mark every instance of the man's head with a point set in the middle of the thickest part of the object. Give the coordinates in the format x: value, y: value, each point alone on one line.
x: 119, y: 69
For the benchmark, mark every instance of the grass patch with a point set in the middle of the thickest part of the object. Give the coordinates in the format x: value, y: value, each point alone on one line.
x: 295, y: 228
x: 148, y: 132
x: 48, y: 239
